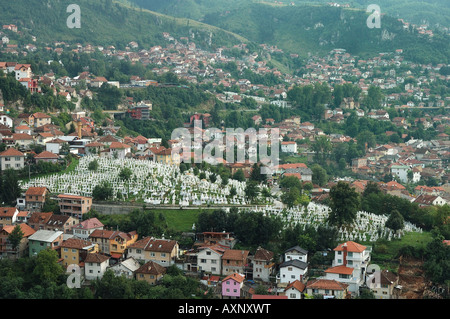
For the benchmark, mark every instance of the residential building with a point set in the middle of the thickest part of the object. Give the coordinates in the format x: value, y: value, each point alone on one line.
x: 44, y: 239
x: 161, y: 251
x: 75, y: 250
x: 349, y: 265
x: 424, y: 200
x: 126, y: 268
x: 46, y: 156
x: 327, y: 288
x: 383, y: 284
x: 8, y: 215
x: 140, y: 111
x: 39, y: 119
x: 23, y: 140
x: 232, y: 285
x: 296, y: 252
x: 263, y: 264
x: 292, y: 270
x: 235, y: 261
x: 84, y: 229
x: 6, y: 249
x: 61, y: 222
x: 401, y: 172
x: 295, y: 290
x: 95, y: 265
x: 119, y: 150
x: 38, y: 220
x: 113, y: 242
x: 289, y: 147
x: 74, y: 205
x: 35, y: 198
x: 151, y: 272
x: 12, y: 159
x: 209, y: 259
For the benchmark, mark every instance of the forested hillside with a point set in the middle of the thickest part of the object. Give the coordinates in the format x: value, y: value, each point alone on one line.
x: 105, y: 22
x: 318, y: 29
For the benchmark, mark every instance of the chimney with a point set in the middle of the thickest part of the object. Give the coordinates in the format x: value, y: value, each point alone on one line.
x: 344, y: 246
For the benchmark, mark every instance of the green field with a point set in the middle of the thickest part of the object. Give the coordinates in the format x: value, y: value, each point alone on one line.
x: 180, y: 220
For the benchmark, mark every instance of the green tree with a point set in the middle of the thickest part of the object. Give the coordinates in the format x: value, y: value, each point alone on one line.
x: 344, y: 204
x: 93, y: 165
x: 47, y: 269
x: 125, y: 173
x: 319, y: 175
x: 251, y: 190
x: 10, y: 187
x: 15, y: 237
x: 102, y: 191
x: 395, y: 221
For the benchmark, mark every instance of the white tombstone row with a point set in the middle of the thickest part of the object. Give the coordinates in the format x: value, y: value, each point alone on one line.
x: 150, y: 182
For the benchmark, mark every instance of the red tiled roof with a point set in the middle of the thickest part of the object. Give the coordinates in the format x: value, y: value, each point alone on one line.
x: 12, y: 152
x: 351, y: 247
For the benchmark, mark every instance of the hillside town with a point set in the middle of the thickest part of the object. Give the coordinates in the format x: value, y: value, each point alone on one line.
x: 415, y: 169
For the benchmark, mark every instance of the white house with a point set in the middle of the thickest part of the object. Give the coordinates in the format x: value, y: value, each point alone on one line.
x: 295, y: 290
x: 296, y: 252
x: 23, y: 71
x: 85, y: 228
x: 349, y: 265
x: 6, y: 120
x: 54, y: 145
x: 292, y: 270
x: 95, y: 266
x: 400, y: 171
x: 209, y: 260
x: 289, y: 147
x: 119, y: 150
x: 126, y: 268
x: 12, y: 158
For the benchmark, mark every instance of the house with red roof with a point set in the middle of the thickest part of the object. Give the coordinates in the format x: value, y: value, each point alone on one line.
x: 46, y: 156
x: 83, y: 229
x: 8, y: 215
x: 119, y: 150
x: 349, y: 265
x: 295, y: 290
x: 35, y: 198
x: 232, y: 285
x: 6, y: 249
x: 12, y: 159
x: 328, y: 288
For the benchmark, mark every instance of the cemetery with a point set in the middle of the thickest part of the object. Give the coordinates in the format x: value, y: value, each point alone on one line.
x: 158, y: 184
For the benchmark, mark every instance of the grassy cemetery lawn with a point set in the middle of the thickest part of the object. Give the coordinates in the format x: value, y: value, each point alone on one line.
x: 180, y: 220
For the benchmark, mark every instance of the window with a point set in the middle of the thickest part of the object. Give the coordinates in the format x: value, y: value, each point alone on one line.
x: 292, y: 295
x: 350, y: 254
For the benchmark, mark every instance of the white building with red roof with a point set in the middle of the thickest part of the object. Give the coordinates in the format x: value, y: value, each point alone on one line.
x: 12, y: 159
x: 349, y: 265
